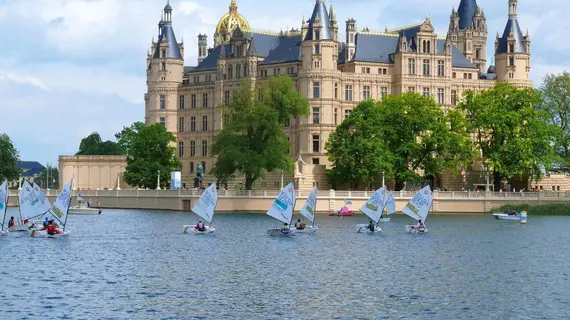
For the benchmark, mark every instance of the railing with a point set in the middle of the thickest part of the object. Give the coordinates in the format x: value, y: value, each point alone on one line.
x: 323, y: 194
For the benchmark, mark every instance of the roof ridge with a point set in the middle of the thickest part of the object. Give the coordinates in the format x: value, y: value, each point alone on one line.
x: 378, y: 33
x: 406, y: 27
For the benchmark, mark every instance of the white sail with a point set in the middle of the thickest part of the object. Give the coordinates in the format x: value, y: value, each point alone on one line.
x: 418, y: 207
x: 206, y: 205
x: 375, y: 205
x: 283, y: 206
x: 61, y: 204
x: 390, y: 204
x: 3, y: 202
x: 43, y: 205
x: 310, y: 207
x: 28, y: 202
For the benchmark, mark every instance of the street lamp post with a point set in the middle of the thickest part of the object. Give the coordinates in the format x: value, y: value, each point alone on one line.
x: 118, y: 181
x: 487, y: 189
x: 383, y: 182
x: 158, y: 181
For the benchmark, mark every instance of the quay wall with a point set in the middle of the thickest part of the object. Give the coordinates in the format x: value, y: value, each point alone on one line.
x: 260, y: 201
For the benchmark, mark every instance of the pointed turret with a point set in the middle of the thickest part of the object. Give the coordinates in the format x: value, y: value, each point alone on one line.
x: 512, y: 40
x: 466, y: 10
x: 320, y: 17
x: 166, y: 38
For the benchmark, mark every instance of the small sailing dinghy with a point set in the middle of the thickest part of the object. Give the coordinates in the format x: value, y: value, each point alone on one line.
x: 282, y: 210
x: 32, y: 204
x: 3, y: 206
x: 308, y: 211
x: 373, y: 209
x: 59, y: 212
x: 390, y: 207
x: 204, y: 208
x: 418, y: 209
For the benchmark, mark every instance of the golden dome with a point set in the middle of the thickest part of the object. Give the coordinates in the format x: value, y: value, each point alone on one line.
x: 230, y: 22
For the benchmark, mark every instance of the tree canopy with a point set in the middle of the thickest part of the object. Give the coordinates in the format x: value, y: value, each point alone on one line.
x: 514, y: 136
x: 9, y: 157
x: 400, y: 136
x: 148, y: 150
x: 252, y: 140
x: 556, y: 102
x: 50, y: 175
x: 93, y: 145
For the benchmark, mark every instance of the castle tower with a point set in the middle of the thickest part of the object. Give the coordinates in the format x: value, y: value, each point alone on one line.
x: 512, y: 51
x: 202, y: 47
x: 350, y: 39
x: 165, y: 69
x: 468, y: 30
x: 319, y: 48
x: 333, y: 23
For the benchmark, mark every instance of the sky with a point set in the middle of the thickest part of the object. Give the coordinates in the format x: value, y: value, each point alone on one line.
x: 72, y: 67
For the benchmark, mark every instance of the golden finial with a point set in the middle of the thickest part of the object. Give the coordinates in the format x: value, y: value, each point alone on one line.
x: 233, y: 6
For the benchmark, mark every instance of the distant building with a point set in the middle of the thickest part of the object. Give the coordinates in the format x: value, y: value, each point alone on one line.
x: 29, y: 171
x: 334, y: 74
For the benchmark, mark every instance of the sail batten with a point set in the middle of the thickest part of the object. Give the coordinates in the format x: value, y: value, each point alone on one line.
x: 283, y: 206
x: 206, y: 205
x: 419, y: 206
x: 375, y: 205
x: 310, y: 206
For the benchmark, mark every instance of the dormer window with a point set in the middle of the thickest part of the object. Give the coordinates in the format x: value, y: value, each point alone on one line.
x: 511, y: 48
x: 163, y: 53
x: 317, y: 35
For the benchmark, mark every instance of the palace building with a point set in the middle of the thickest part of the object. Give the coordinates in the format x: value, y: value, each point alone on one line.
x: 334, y: 74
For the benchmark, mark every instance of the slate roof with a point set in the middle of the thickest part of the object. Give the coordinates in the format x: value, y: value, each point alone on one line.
x: 466, y: 11
x: 512, y: 25
x: 275, y: 49
x: 173, y: 51
x: 31, y: 167
x: 320, y: 11
x: 380, y: 47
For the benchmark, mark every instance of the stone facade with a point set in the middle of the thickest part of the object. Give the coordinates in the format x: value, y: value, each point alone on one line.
x: 93, y: 172
x: 334, y: 75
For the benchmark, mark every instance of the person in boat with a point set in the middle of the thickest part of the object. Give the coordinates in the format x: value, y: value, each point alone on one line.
x: 46, y: 222
x: 285, y: 228
x: 11, y: 223
x: 371, y: 226
x: 420, y: 225
x: 200, y: 226
x: 299, y: 225
x: 51, y: 228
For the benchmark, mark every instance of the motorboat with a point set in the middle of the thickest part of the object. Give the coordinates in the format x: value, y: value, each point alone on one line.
x: 83, y: 209
x: 342, y: 213
x: 511, y: 215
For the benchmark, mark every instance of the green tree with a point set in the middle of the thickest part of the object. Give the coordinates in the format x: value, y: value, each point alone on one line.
x: 9, y: 157
x: 149, y: 150
x: 556, y: 102
x: 252, y: 141
x: 400, y: 136
x: 515, y: 137
x: 50, y: 175
x: 357, y: 152
x: 93, y: 145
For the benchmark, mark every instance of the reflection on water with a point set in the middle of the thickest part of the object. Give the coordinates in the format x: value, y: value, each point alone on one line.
x: 132, y: 264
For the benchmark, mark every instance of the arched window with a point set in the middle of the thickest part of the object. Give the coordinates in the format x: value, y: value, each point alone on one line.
x: 238, y: 70
x: 245, y: 70
x: 230, y: 71
x: 429, y: 47
x: 424, y: 46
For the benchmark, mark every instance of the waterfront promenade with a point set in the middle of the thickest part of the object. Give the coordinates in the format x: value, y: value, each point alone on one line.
x: 328, y: 200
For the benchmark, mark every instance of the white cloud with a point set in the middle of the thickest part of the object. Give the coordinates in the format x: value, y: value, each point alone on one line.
x: 22, y: 79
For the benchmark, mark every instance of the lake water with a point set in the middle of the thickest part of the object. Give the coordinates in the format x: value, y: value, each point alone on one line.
x: 127, y: 264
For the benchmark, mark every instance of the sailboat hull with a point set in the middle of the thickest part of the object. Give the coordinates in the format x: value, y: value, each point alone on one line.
x: 43, y: 234
x: 4, y: 232
x: 412, y: 229
x: 278, y: 232
x: 192, y: 229
x: 363, y: 228
x: 307, y: 229
x: 20, y: 228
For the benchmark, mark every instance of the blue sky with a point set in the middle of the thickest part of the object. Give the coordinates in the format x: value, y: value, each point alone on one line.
x: 72, y: 67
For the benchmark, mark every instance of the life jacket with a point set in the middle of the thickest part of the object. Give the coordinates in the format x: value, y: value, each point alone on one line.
x: 10, y: 223
x: 51, y: 229
x: 201, y: 226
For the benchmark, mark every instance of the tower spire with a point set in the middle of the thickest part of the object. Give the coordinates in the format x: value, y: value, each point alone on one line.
x: 233, y: 6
